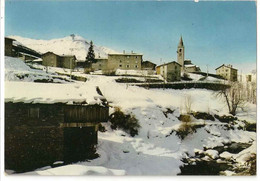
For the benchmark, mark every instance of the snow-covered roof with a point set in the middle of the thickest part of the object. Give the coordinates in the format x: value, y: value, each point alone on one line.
x: 169, y: 63
x: 128, y: 54
x: 71, y: 93
x: 190, y: 65
x: 26, y: 54
x: 228, y: 66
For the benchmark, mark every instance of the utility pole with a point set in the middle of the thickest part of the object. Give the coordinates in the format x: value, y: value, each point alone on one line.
x: 207, y: 70
x: 70, y: 67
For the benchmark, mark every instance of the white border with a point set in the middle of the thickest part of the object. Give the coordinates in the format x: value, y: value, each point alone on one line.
x: 65, y: 178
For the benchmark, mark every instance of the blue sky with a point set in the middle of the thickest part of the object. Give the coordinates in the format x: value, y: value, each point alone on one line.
x: 213, y: 32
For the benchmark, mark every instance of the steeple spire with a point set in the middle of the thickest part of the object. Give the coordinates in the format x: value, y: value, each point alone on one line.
x: 181, y: 42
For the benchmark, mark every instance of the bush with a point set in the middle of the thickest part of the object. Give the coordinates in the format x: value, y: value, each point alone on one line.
x: 109, y: 72
x: 185, y: 118
x: 250, y: 126
x: 186, y: 127
x: 225, y: 119
x: 126, y: 122
x: 203, y: 115
x: 128, y: 80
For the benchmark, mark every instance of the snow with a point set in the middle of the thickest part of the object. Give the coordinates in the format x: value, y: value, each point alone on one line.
x: 242, y: 156
x: 226, y: 155
x: 75, y: 169
x: 197, y: 77
x: 135, y: 72
x: 30, y: 92
x: 15, y: 68
x: 15, y: 64
x: 69, y: 45
x: 156, y: 150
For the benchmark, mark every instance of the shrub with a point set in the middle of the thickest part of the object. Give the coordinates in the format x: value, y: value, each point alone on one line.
x: 203, y: 115
x: 186, y: 127
x: 225, y: 119
x: 185, y: 118
x: 250, y: 126
x: 124, y: 121
x: 128, y: 80
x: 109, y: 72
x: 101, y: 128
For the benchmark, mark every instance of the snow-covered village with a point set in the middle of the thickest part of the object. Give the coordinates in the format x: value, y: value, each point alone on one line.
x: 76, y: 107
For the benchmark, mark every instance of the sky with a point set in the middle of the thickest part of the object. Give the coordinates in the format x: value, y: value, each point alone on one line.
x: 214, y: 33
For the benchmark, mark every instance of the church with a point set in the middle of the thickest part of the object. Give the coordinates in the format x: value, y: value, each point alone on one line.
x: 186, y: 65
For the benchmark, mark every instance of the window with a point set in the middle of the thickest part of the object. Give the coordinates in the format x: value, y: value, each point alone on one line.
x: 34, y: 112
x: 120, y: 61
x: 100, y: 65
x: 136, y: 57
x: 180, y: 50
x: 127, y: 66
x: 120, y: 65
x: 136, y: 66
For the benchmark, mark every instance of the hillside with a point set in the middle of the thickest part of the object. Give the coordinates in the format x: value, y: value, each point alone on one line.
x: 69, y: 45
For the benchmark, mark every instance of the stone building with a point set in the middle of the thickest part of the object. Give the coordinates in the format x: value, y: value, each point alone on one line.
x: 14, y: 48
x: 187, y: 66
x: 170, y: 71
x: 190, y: 67
x: 9, y: 47
x: 43, y: 127
x: 180, y: 54
x: 147, y: 65
x: 227, y: 72
x: 124, y: 61
x: 53, y: 60
x: 101, y: 64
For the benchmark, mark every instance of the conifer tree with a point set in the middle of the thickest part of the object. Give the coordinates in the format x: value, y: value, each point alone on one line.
x: 91, y: 54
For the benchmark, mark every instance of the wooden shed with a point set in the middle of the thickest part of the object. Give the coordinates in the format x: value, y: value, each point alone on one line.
x: 41, y: 128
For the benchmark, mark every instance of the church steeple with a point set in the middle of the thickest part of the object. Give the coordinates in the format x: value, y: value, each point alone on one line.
x: 181, y: 42
x: 180, y: 54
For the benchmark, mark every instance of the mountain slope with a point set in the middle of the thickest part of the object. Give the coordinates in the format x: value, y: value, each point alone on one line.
x: 70, y: 45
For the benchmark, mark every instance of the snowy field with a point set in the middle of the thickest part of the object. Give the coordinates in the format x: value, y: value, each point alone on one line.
x: 156, y: 150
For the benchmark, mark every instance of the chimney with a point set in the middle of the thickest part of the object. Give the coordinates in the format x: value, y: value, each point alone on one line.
x: 123, y: 51
x: 132, y: 52
x: 98, y: 55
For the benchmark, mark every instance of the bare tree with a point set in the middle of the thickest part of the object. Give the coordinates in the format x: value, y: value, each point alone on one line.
x: 234, y: 96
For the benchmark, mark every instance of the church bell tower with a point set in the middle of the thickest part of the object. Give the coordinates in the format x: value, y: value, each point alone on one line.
x: 180, y: 54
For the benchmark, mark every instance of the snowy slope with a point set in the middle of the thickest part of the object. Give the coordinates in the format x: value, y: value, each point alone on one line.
x: 155, y: 151
x: 17, y: 70
x: 70, y: 45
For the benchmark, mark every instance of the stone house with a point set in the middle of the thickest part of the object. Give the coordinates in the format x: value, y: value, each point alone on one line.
x: 124, y: 61
x: 101, y: 64
x: 170, y: 71
x: 46, y: 129
x: 53, y: 60
x: 190, y: 67
x: 147, y: 65
x: 14, y: 48
x: 227, y: 72
x: 187, y: 65
x: 9, y: 47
